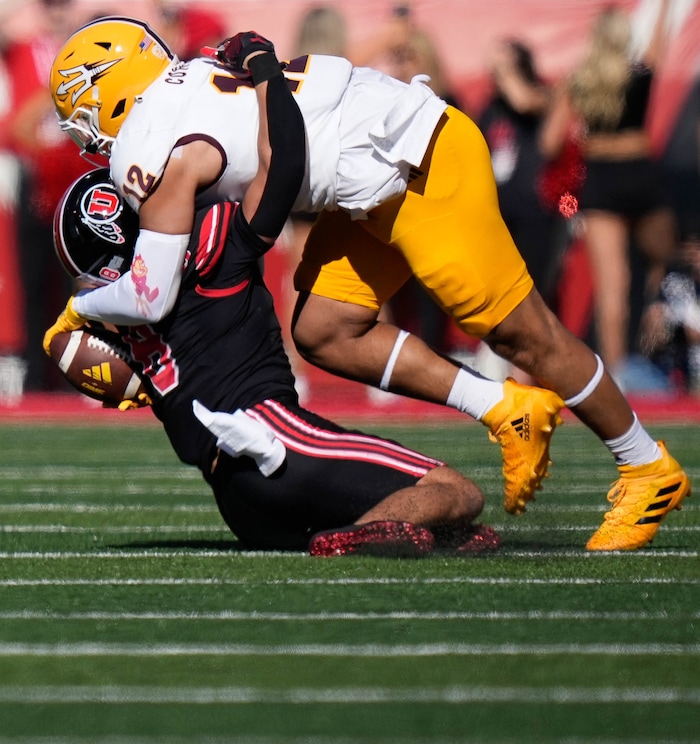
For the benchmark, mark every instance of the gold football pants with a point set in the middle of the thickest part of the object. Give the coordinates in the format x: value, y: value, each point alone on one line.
x: 446, y: 229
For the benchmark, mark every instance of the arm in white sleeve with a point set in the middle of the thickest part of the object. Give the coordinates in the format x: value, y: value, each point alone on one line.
x: 147, y: 292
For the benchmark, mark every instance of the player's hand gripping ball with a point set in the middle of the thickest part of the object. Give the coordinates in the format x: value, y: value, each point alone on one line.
x: 95, y: 367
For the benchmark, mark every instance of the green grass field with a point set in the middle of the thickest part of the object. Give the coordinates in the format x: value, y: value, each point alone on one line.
x: 128, y: 615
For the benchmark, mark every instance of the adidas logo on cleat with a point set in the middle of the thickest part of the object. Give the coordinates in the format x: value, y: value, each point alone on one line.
x: 522, y: 427
x: 523, y: 423
x: 660, y: 504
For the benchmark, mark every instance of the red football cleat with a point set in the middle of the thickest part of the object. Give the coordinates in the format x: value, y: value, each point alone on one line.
x: 480, y: 538
x: 384, y: 539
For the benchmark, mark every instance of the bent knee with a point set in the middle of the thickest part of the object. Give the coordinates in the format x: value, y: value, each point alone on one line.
x: 318, y: 343
x: 306, y: 339
x: 323, y: 329
x: 466, y: 498
x: 530, y: 332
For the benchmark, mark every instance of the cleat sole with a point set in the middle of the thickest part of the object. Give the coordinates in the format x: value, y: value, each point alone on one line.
x: 382, y: 539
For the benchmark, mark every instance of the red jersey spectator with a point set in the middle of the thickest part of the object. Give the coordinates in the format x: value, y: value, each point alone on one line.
x: 49, y: 163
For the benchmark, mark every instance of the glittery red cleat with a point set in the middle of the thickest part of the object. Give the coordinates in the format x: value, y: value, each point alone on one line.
x: 383, y: 539
x: 481, y: 538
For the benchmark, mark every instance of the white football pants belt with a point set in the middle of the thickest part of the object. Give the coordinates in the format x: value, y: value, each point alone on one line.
x: 238, y: 434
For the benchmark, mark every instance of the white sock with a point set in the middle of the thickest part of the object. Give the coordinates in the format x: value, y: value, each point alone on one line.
x: 474, y: 394
x: 634, y: 447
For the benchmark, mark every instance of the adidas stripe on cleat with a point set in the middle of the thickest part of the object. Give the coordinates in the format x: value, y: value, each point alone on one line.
x: 521, y: 427
x: 641, y: 499
x: 384, y: 539
x: 523, y: 424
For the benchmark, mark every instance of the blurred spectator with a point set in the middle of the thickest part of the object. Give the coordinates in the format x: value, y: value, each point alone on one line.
x: 674, y: 114
x: 403, y: 50
x: 418, y: 55
x: 393, y: 32
x: 322, y: 30
x: 623, y: 196
x: 671, y: 333
x: 187, y: 28
x: 12, y: 341
x: 681, y: 160
x: 511, y: 124
x: 49, y: 163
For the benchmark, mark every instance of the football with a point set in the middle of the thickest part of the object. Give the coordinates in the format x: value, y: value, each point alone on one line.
x: 95, y: 367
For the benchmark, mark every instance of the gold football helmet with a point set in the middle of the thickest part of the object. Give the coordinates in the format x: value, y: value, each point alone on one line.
x: 98, y: 74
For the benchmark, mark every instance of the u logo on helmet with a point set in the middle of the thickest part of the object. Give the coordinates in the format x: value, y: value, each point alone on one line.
x: 94, y: 230
x: 100, y: 208
x: 102, y: 203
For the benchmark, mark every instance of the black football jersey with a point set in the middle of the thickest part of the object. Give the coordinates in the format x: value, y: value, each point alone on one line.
x: 221, y: 344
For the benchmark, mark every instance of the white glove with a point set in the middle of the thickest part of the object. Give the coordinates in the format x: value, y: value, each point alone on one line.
x: 239, y: 434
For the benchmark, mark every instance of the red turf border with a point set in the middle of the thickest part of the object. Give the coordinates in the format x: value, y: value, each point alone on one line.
x: 343, y: 401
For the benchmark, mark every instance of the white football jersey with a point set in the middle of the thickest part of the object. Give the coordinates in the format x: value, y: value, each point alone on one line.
x: 364, y: 131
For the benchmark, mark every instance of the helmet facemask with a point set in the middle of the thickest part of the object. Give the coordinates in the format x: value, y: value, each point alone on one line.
x: 83, y: 126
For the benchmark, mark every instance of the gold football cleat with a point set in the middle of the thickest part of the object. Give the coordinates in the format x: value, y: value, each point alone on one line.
x: 523, y: 424
x: 641, y: 498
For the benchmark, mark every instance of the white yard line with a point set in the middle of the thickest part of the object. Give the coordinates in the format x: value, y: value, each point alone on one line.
x: 355, y: 650
x: 525, y: 528
x: 57, y: 473
x: 228, y: 554
x: 230, y: 615
x: 306, y: 695
x: 84, y: 508
x: 47, y: 529
x: 153, y: 529
x: 108, y: 508
x: 346, y: 581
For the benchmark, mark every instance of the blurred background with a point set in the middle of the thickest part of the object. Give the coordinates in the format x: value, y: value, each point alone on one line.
x: 500, y: 61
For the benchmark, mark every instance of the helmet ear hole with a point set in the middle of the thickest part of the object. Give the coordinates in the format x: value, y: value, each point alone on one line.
x: 119, y: 108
